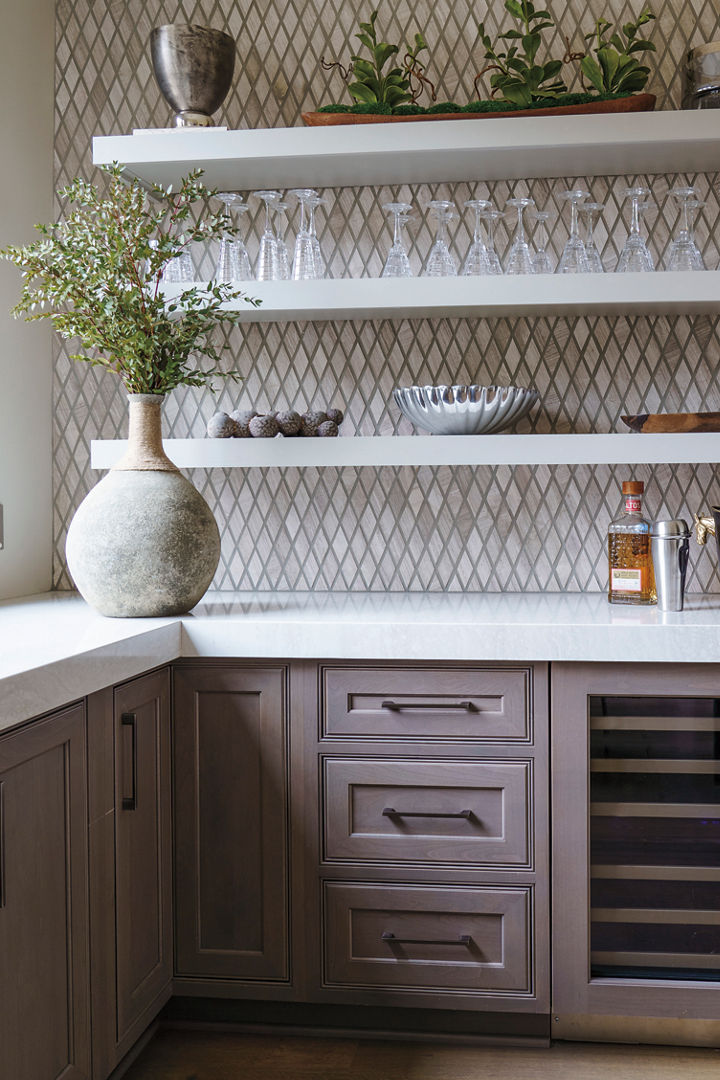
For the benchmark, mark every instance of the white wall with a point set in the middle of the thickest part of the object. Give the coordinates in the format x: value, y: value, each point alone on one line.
x: 26, y: 180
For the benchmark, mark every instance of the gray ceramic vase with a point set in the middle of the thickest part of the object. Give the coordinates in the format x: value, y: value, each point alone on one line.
x: 144, y: 542
x: 194, y: 68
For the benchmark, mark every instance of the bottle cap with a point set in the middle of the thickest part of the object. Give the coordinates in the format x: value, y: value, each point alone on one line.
x: 677, y: 528
x: 633, y: 487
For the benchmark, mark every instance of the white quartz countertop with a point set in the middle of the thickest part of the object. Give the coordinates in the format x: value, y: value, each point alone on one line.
x: 54, y: 649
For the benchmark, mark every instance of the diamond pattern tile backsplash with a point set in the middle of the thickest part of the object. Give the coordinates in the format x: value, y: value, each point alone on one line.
x: 536, y: 527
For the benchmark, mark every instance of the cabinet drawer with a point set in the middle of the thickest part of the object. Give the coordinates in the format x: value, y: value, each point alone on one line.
x: 483, y: 704
x: 422, y: 938
x: 440, y: 812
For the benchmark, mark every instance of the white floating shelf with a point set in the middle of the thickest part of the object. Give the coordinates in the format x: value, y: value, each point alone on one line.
x: 422, y: 152
x: 659, y: 293
x: 416, y: 450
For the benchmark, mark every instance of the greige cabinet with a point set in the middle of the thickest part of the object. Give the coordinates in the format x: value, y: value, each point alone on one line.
x: 636, y: 874
x: 431, y: 875
x: 44, y: 983
x: 232, y: 873
x: 131, y: 862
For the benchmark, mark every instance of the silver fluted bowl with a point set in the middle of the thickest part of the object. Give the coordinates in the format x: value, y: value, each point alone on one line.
x: 194, y: 68
x: 464, y: 410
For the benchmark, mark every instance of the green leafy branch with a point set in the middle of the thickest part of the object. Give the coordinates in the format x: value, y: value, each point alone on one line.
x: 97, y: 274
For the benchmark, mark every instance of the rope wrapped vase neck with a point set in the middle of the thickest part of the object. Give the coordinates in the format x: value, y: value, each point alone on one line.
x: 145, y: 448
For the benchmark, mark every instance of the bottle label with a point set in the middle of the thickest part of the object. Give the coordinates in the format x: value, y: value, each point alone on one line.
x: 633, y: 504
x: 626, y: 580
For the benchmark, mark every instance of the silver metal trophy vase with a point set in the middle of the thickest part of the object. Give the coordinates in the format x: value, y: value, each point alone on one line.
x: 194, y: 68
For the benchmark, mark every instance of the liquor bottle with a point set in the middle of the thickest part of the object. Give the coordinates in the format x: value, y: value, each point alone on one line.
x: 632, y: 580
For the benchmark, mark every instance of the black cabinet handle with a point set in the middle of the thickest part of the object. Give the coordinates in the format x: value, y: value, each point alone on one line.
x: 2, y: 844
x: 390, y: 811
x: 395, y: 706
x: 390, y: 938
x: 129, y: 802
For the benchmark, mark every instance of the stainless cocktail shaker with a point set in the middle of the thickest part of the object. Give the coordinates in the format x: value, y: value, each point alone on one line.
x: 670, y: 548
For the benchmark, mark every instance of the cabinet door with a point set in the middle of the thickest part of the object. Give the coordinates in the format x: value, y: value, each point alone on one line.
x: 636, y: 765
x: 231, y: 840
x: 44, y: 1006
x: 131, y: 862
x: 143, y: 850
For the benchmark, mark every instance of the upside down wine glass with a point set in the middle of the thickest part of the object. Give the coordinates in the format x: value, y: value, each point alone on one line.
x: 591, y: 212
x: 477, y: 260
x: 280, y: 209
x: 441, y: 262
x: 233, y: 262
x: 491, y: 216
x: 635, y: 256
x: 684, y: 253
x: 305, y: 266
x: 542, y: 262
x: 573, y: 259
x: 319, y: 260
x: 267, y: 261
x: 397, y: 263
x: 519, y: 260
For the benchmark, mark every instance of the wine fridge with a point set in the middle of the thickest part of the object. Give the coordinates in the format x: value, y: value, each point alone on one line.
x: 636, y: 849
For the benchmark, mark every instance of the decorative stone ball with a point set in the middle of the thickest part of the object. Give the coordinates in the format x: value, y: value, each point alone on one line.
x: 289, y: 422
x: 263, y: 427
x: 242, y: 418
x: 221, y: 426
x: 311, y: 421
x: 336, y: 415
x: 328, y: 428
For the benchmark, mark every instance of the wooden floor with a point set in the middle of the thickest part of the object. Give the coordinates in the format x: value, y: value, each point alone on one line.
x: 176, y: 1055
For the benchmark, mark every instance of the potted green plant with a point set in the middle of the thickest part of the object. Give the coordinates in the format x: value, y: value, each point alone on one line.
x: 522, y: 80
x: 144, y: 541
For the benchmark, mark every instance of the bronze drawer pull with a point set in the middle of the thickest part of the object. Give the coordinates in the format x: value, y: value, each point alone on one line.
x: 390, y: 811
x: 394, y: 706
x: 129, y: 802
x: 389, y: 937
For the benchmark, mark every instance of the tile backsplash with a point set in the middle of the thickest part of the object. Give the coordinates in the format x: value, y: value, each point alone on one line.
x: 535, y: 527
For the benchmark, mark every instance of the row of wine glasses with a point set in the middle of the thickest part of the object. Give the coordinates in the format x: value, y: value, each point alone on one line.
x: 580, y: 254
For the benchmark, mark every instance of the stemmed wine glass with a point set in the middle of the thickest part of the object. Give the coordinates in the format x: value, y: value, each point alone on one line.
x: 519, y: 260
x: 397, y: 263
x: 441, y: 262
x: 233, y: 262
x: 304, y: 267
x: 591, y: 211
x: 684, y: 253
x: 267, y: 262
x: 574, y: 259
x: 635, y: 255
x: 476, y: 260
x: 491, y: 216
x: 280, y: 209
x: 542, y: 262
x: 319, y: 260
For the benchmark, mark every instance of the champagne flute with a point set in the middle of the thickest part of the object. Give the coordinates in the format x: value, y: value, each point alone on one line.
x: 304, y: 267
x: 491, y: 216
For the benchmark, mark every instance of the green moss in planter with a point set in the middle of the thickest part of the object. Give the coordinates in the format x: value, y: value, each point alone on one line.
x: 444, y: 107
x: 409, y: 110
x: 334, y: 108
